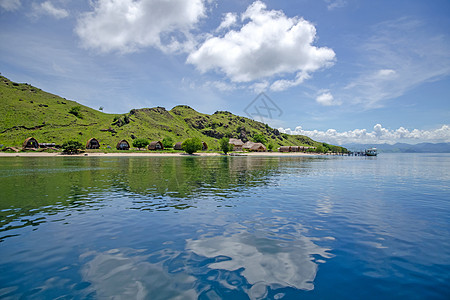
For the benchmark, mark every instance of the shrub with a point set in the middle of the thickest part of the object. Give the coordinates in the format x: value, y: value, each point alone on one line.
x: 167, y: 142
x: 192, y: 145
x: 225, y: 145
x: 76, y: 111
x: 259, y: 138
x: 270, y: 147
x: 140, y: 143
x: 72, y: 147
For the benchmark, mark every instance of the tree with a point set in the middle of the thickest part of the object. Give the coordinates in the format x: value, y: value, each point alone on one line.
x: 192, y: 145
x: 72, y: 147
x: 225, y: 145
x: 320, y: 149
x: 259, y: 138
x: 167, y: 142
x: 270, y: 146
x: 140, y: 143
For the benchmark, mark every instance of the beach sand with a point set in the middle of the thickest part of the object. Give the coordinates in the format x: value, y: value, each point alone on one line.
x: 150, y: 154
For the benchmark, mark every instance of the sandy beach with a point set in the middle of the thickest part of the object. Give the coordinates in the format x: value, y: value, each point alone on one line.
x: 149, y: 154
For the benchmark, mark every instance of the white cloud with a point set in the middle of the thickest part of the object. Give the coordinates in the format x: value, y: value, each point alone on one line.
x: 128, y: 25
x: 10, y: 5
x: 326, y: 99
x: 399, y: 56
x: 386, y: 73
x: 47, y: 8
x: 229, y: 20
x: 379, y: 135
x: 332, y: 4
x: 267, y: 44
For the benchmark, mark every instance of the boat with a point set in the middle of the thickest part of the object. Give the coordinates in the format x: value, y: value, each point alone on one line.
x: 371, y: 152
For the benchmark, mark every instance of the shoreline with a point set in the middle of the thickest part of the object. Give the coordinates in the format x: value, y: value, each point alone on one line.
x: 150, y: 154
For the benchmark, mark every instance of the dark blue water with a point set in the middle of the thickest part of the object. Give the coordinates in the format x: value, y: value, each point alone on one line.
x: 225, y: 227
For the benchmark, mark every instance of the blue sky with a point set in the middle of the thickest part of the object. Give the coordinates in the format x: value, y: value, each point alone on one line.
x: 339, y: 70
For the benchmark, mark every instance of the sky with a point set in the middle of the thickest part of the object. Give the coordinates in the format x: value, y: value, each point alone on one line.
x: 339, y: 71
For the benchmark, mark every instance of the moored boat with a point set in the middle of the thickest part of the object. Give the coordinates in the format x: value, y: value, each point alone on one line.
x: 371, y: 152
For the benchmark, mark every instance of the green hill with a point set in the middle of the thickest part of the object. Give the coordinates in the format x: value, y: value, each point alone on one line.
x: 28, y: 111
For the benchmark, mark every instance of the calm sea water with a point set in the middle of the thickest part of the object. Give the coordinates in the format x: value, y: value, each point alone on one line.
x: 225, y: 227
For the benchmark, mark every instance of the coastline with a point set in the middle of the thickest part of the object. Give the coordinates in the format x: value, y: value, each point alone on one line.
x: 151, y: 154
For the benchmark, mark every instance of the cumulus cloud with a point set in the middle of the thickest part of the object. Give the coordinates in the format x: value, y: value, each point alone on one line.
x: 47, y: 8
x: 128, y: 25
x: 379, y: 135
x: 10, y: 5
x: 267, y: 44
x: 326, y: 99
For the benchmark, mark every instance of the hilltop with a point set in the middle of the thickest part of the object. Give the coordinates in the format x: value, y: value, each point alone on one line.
x: 28, y: 111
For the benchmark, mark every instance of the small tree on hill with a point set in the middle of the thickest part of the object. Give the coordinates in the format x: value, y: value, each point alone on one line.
x: 225, y: 145
x: 270, y: 146
x: 259, y: 138
x: 167, y: 142
x: 72, y: 147
x: 140, y: 143
x: 192, y: 145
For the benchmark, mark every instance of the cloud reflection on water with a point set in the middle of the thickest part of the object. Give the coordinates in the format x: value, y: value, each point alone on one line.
x: 281, y: 257
x: 124, y: 274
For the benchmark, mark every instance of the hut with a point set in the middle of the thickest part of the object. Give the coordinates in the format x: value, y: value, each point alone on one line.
x: 204, y: 146
x: 284, y: 149
x: 295, y: 149
x: 30, y: 143
x: 247, y: 145
x: 178, y: 146
x: 156, y: 146
x: 258, y: 147
x: 237, y: 144
x: 92, y: 144
x: 123, y: 145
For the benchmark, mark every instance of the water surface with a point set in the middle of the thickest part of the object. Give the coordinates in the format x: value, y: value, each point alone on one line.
x: 225, y: 227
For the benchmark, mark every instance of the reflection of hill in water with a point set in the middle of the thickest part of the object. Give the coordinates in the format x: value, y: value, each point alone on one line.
x: 31, y: 186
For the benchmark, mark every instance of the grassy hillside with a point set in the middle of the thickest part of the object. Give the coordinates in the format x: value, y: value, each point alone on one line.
x: 28, y: 111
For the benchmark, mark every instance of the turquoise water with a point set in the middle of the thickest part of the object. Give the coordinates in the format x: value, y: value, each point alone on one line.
x: 225, y: 227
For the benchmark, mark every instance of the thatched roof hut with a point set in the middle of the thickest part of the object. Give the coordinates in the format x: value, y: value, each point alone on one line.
x: 178, y: 146
x: 258, y: 147
x: 247, y: 145
x: 92, y: 144
x: 30, y: 143
x: 204, y: 146
x: 237, y: 144
x: 123, y: 145
x: 156, y: 146
x: 284, y: 149
x: 295, y: 149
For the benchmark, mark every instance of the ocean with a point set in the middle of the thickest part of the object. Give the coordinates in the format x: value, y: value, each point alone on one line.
x: 306, y: 227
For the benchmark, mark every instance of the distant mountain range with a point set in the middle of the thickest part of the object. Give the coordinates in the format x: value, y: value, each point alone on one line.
x: 403, y: 148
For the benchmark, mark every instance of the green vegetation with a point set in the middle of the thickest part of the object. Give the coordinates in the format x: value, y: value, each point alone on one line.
x: 140, y: 143
x: 28, y: 111
x: 225, y: 145
x: 259, y: 138
x: 192, y: 145
x: 76, y: 111
x: 72, y: 147
x: 167, y: 142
